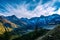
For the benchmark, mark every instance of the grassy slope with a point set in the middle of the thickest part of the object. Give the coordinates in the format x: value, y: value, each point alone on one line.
x: 52, y: 35
x: 32, y: 35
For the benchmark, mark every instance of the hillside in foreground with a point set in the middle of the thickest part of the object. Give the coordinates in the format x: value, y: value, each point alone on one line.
x: 52, y: 35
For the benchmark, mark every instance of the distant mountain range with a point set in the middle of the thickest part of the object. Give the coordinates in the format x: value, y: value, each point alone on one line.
x: 25, y: 24
x: 35, y: 21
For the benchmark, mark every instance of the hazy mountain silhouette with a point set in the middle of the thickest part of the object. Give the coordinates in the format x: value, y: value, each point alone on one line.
x: 41, y: 21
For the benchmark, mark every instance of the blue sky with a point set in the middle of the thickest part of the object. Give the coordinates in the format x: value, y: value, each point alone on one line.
x: 29, y: 8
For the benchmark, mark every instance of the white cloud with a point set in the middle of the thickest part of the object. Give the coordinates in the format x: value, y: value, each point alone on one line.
x: 58, y: 11
x: 21, y: 11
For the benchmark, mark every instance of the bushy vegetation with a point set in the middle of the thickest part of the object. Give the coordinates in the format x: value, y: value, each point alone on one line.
x: 32, y: 35
x: 5, y: 36
x: 28, y: 36
x: 55, y: 35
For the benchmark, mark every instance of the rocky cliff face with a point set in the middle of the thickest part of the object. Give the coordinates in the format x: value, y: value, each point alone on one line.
x: 6, y: 25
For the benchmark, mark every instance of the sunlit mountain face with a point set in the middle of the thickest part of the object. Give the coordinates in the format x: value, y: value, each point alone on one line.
x: 29, y: 8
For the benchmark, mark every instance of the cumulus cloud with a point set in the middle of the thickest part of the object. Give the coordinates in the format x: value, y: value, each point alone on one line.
x: 22, y: 11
